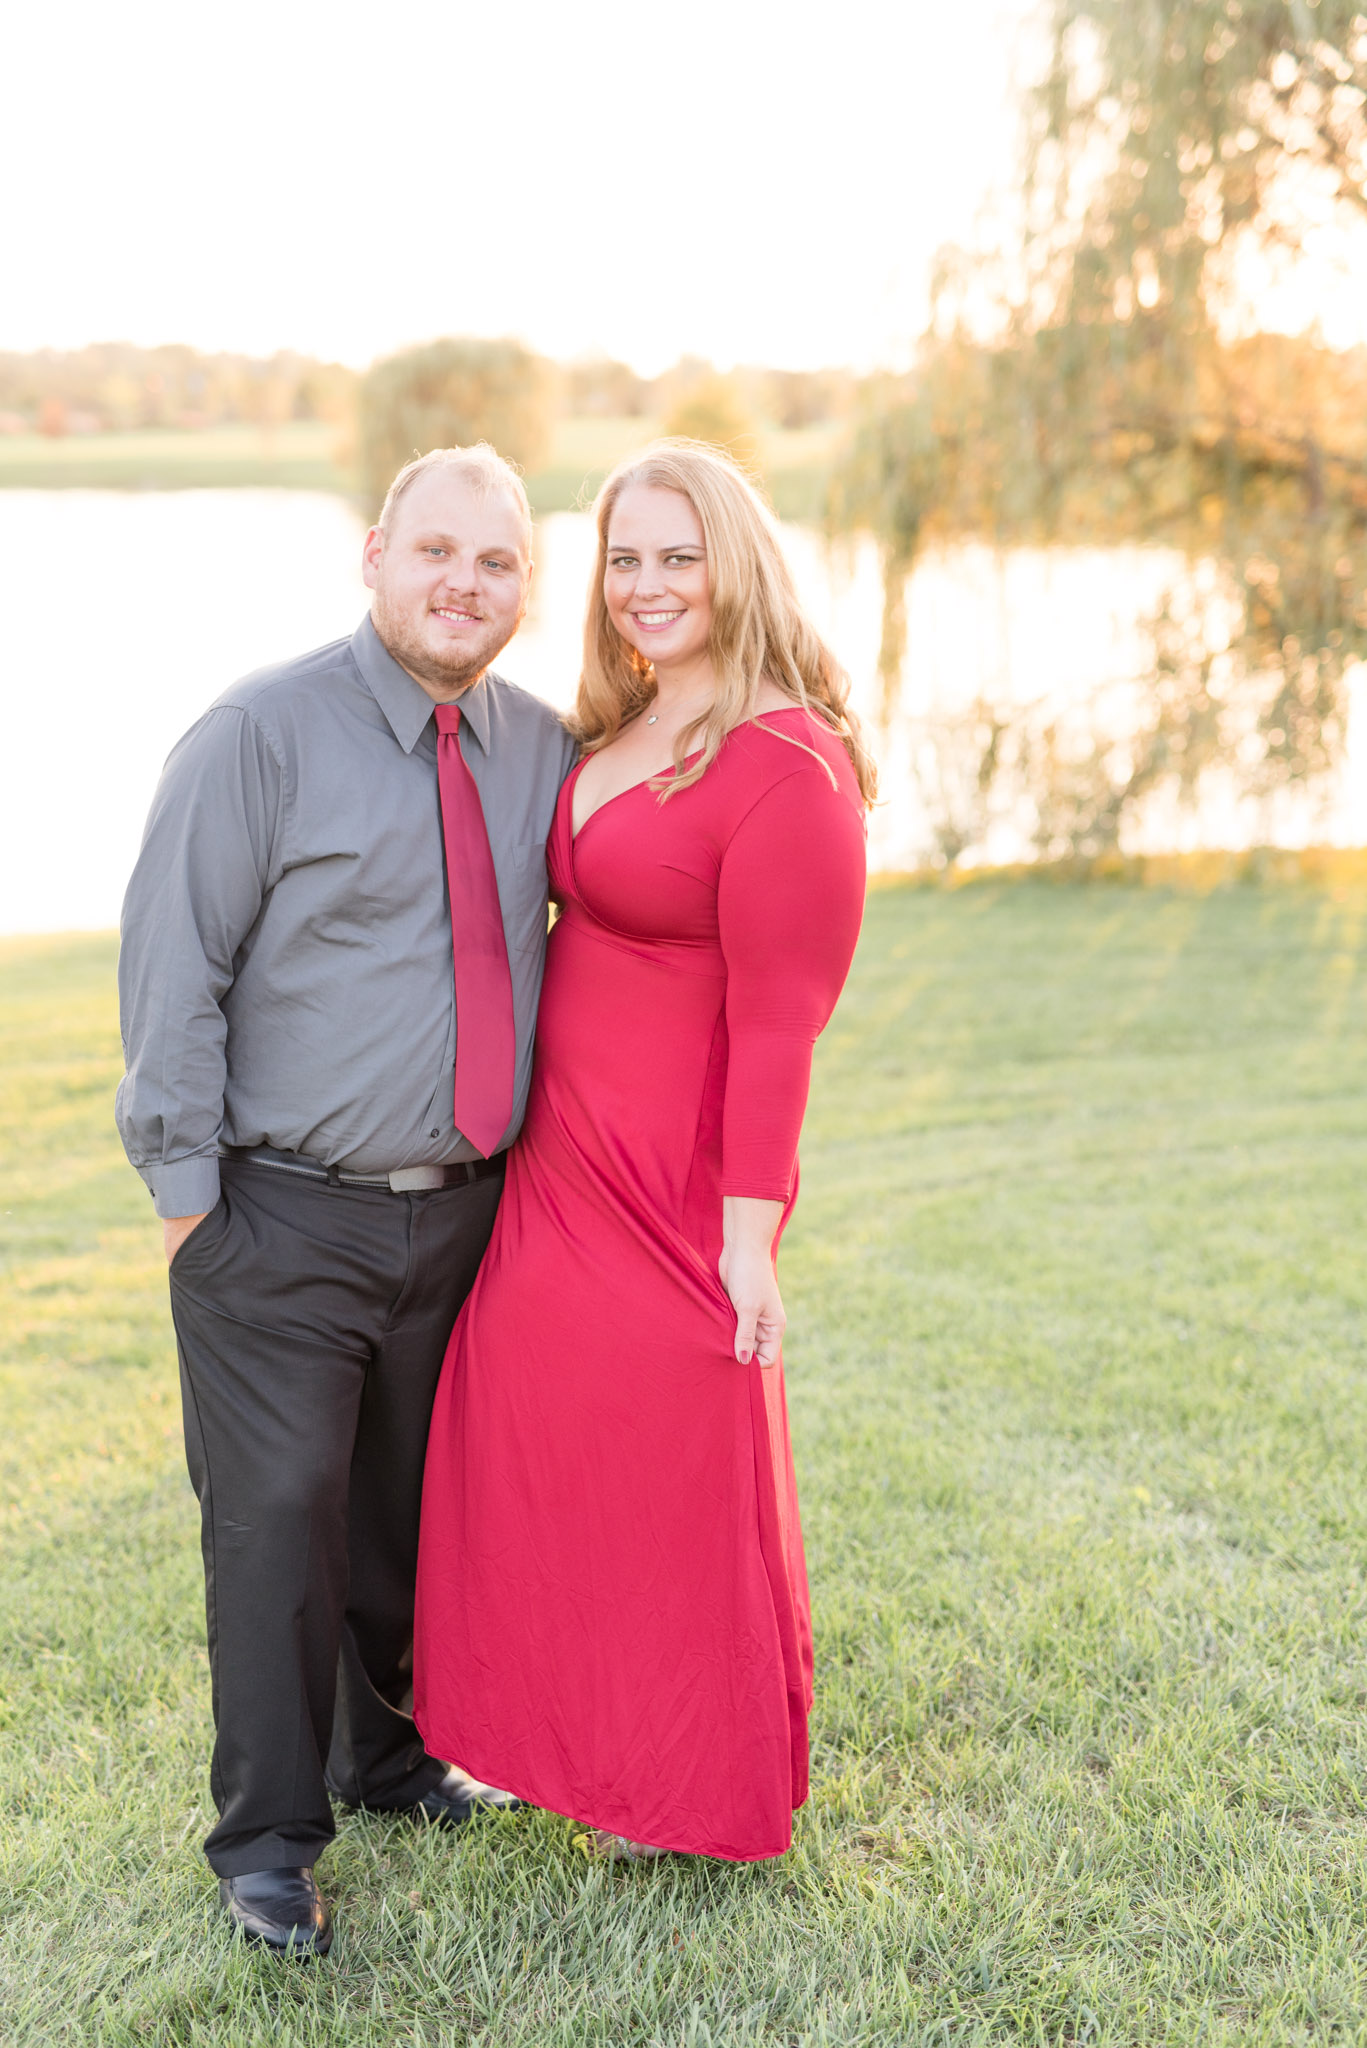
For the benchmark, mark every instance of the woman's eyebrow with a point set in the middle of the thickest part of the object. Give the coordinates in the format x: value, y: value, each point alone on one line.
x: 691, y: 547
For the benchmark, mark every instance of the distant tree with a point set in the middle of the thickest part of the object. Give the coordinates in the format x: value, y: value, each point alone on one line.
x: 597, y: 386
x: 713, y: 409
x: 121, y: 386
x: 1118, y: 400
x: 324, y: 391
x: 806, y: 398
x: 118, y: 399
x: 677, y: 381
x: 447, y: 394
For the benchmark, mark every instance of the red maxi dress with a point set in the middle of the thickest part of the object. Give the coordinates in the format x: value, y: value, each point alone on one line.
x: 612, y: 1616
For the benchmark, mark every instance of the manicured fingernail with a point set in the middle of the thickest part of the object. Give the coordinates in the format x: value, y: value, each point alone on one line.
x: 745, y: 1358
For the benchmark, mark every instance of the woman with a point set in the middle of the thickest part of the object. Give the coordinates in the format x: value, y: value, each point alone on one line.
x: 612, y: 1603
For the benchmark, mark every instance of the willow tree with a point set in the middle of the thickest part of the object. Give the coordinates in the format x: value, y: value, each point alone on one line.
x: 1122, y: 397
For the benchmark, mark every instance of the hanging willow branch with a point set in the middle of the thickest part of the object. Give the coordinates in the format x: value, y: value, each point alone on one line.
x: 1114, y: 404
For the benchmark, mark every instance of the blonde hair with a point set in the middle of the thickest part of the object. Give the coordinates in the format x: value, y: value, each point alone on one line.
x: 759, y: 631
x: 483, y: 467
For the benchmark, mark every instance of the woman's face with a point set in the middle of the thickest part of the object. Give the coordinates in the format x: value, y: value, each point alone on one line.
x: 656, y: 582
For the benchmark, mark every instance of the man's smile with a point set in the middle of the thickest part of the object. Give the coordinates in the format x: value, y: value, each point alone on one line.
x: 456, y: 617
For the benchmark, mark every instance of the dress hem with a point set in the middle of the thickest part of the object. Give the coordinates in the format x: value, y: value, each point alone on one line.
x: 487, y: 1771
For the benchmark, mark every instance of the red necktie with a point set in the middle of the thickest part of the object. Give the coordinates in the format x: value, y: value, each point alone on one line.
x: 486, y: 1045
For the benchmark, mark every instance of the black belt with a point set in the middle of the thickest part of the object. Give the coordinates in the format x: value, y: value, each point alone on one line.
x: 404, y: 1180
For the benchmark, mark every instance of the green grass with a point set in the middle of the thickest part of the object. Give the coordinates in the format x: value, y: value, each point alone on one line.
x: 310, y: 455
x: 1077, y: 1288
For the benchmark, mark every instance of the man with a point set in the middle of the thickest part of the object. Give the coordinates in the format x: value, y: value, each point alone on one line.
x: 332, y: 952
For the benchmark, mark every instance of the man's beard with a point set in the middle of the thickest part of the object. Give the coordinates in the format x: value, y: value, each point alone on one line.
x: 449, y: 670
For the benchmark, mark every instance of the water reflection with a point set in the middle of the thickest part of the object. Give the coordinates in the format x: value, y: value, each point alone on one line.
x: 128, y: 613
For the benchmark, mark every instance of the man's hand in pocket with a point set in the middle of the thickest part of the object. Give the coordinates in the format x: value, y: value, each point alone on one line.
x: 175, y: 1230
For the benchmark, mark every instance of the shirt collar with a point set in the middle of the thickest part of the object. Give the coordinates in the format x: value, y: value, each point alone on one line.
x: 405, y: 704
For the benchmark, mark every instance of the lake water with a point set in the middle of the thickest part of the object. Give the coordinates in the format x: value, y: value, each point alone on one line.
x: 127, y: 613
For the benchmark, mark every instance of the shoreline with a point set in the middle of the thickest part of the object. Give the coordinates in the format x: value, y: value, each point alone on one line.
x: 311, y: 455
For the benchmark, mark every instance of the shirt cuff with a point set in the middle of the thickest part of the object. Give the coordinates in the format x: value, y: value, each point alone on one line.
x: 751, y: 1188
x: 183, y: 1187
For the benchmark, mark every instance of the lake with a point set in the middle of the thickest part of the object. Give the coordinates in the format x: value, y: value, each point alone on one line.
x: 129, y: 612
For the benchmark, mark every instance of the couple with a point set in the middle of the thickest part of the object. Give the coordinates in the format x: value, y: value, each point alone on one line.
x: 332, y: 960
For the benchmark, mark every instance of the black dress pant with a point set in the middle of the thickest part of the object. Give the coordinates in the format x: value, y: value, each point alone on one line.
x: 311, y: 1322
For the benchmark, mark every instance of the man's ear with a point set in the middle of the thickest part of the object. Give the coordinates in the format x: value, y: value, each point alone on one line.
x: 371, y: 551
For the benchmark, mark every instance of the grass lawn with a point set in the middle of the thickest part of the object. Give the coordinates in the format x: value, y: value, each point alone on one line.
x: 308, y: 455
x: 1077, y: 1356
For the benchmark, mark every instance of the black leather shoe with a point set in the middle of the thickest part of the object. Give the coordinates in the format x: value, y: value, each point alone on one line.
x: 459, y: 1797
x: 449, y: 1803
x: 283, y: 1909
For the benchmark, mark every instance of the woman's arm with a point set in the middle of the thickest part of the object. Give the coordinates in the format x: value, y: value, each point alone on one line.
x: 789, y: 901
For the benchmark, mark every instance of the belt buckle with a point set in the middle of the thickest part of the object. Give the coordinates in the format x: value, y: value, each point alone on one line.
x: 408, y: 1180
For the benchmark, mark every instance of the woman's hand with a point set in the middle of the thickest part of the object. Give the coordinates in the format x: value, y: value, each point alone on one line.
x: 746, y: 1266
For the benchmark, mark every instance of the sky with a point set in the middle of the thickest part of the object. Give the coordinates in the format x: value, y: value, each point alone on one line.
x: 748, y: 180
x: 762, y: 181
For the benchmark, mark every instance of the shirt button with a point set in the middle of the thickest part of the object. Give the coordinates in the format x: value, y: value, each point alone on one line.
x: 434, y: 1134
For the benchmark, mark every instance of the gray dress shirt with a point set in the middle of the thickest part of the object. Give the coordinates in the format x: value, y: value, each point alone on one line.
x: 285, y: 976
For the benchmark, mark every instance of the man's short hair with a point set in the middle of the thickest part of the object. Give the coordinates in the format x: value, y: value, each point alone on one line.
x: 483, y: 466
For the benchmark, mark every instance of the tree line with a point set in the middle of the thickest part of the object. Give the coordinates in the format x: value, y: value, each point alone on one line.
x: 116, y: 386
x: 487, y: 386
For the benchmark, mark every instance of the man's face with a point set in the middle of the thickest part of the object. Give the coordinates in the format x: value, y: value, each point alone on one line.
x: 450, y: 580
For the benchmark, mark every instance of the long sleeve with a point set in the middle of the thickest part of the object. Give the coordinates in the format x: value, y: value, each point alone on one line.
x: 790, y: 898
x: 206, y: 862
